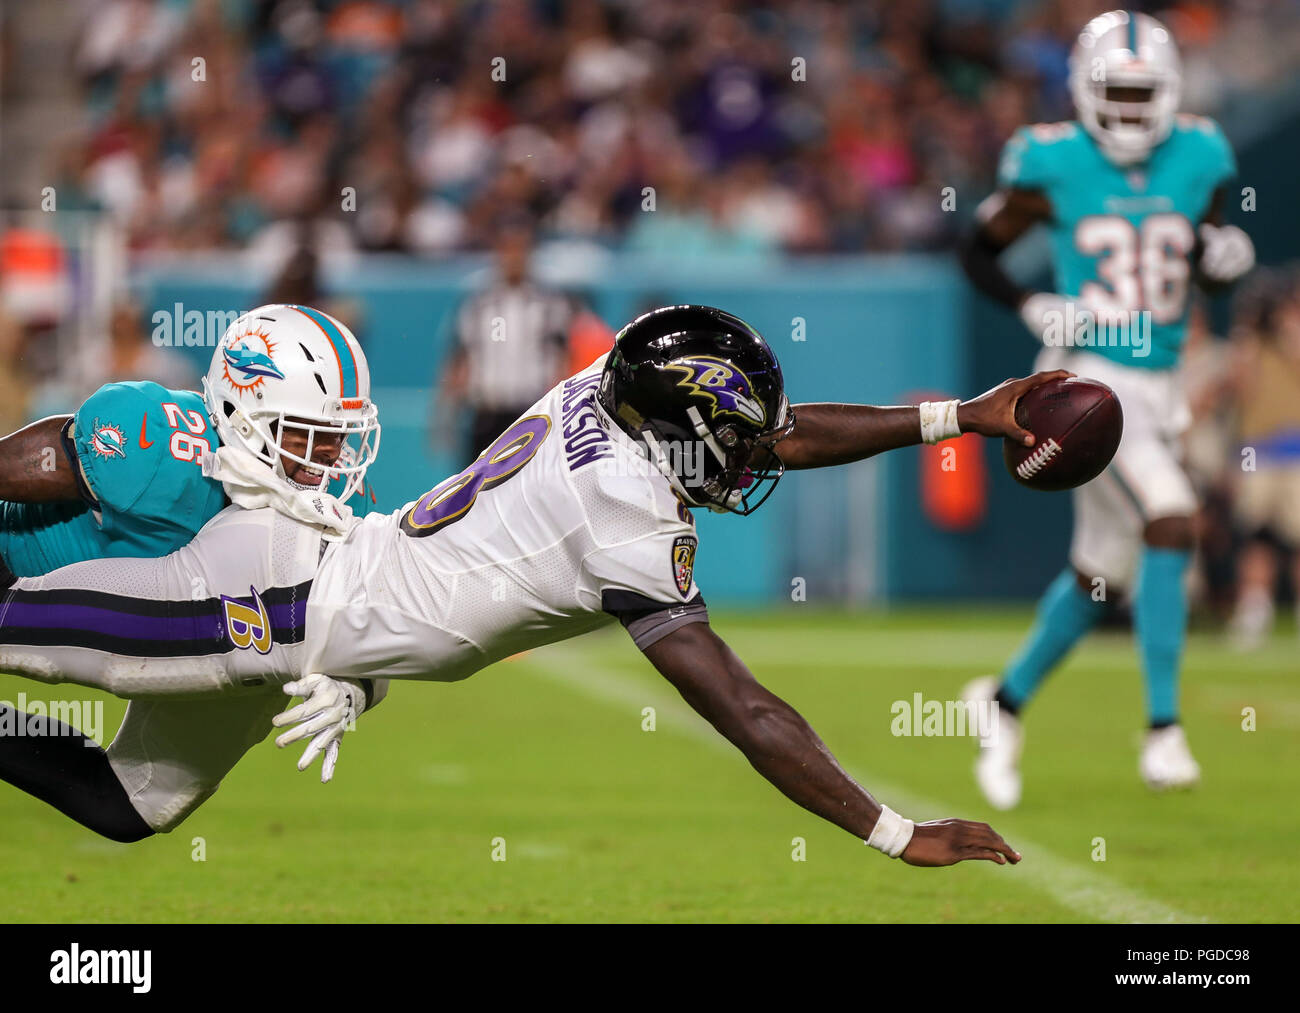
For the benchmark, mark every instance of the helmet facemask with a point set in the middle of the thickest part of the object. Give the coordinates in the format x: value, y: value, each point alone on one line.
x: 723, y: 469
x: 748, y: 466
x: 353, y: 422
x: 1129, y: 114
x: 356, y: 440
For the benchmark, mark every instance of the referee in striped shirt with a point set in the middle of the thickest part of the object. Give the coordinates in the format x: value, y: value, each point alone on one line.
x: 509, y: 346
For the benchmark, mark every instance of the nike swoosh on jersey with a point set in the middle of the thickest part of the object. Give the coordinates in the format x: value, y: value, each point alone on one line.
x: 144, y: 424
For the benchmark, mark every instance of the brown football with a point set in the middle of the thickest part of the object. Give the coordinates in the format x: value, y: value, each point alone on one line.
x: 1076, y: 424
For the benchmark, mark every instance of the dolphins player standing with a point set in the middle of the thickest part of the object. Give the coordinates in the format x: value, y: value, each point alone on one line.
x: 1132, y: 194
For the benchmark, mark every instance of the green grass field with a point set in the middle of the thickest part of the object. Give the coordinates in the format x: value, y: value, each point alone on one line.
x: 604, y: 821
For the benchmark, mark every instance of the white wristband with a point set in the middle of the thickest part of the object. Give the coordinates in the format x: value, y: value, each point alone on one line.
x: 939, y: 420
x: 891, y: 834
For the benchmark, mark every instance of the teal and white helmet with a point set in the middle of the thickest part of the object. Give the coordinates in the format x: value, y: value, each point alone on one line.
x: 1126, y: 81
x: 296, y: 365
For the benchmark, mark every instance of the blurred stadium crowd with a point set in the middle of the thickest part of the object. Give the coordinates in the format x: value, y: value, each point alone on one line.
x: 801, y: 125
x: 294, y: 130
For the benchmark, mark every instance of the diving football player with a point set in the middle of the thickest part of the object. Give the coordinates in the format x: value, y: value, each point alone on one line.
x: 578, y: 515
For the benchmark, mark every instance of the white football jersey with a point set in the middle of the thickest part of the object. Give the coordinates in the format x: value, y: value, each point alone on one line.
x: 557, y: 528
x: 225, y: 613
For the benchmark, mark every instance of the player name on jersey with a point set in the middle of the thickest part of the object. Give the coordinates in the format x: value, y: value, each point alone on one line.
x: 585, y: 437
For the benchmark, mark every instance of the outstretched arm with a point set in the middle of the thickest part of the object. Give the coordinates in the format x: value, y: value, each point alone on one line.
x: 33, y: 465
x: 829, y: 434
x: 784, y: 749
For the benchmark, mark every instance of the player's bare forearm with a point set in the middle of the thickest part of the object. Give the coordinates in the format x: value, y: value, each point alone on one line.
x: 781, y: 746
x: 775, y: 739
x: 1003, y: 218
x: 33, y: 465
x: 829, y: 434
x: 825, y: 435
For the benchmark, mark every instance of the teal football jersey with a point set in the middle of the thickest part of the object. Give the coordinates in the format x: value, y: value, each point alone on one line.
x: 1122, y: 238
x: 140, y: 448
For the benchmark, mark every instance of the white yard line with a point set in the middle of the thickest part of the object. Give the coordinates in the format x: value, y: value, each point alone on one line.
x: 1076, y: 887
x: 915, y: 648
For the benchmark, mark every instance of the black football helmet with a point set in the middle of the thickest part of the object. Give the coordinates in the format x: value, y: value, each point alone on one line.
x: 703, y: 392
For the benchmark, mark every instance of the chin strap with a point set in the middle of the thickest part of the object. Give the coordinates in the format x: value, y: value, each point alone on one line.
x: 735, y: 497
x: 655, y: 451
x: 252, y: 485
x: 660, y: 460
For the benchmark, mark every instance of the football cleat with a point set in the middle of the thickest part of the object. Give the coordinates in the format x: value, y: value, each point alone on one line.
x: 997, y: 768
x: 1166, y: 762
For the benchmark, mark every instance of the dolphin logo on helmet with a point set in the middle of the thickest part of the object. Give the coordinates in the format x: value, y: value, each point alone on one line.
x: 251, y: 363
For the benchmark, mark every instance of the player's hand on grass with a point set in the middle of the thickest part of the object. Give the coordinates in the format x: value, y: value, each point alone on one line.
x: 993, y: 413
x: 947, y: 842
x: 330, y: 708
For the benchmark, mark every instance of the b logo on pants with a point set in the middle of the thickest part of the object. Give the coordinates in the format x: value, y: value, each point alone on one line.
x: 248, y: 626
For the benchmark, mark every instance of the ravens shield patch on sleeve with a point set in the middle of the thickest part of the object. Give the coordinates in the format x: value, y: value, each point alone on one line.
x: 683, y: 562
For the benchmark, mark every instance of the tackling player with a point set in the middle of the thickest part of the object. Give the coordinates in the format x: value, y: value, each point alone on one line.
x: 1132, y: 194
x: 130, y: 474
x: 577, y: 515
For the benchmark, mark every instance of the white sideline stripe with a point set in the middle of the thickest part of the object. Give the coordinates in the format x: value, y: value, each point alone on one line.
x: 1074, y: 887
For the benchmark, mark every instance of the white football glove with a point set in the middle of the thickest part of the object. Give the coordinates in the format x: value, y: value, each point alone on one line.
x: 1062, y: 321
x: 330, y: 708
x: 1228, y: 252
